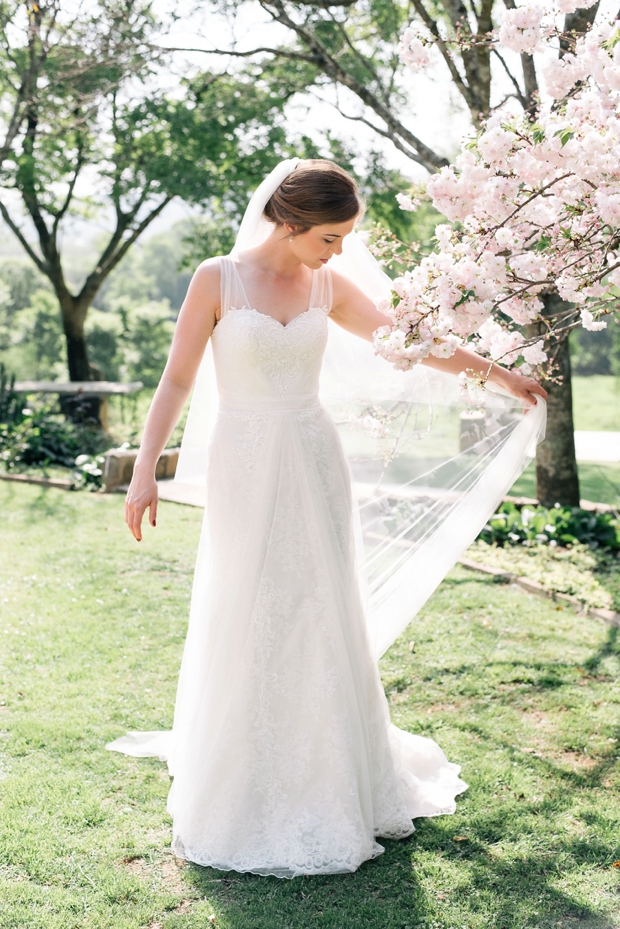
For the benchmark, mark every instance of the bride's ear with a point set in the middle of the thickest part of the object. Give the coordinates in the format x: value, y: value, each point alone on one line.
x: 291, y: 230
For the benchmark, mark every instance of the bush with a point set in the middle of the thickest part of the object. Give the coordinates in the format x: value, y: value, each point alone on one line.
x: 37, y: 435
x: 562, y: 525
x: 88, y: 472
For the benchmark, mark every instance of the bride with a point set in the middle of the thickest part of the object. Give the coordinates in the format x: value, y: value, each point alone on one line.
x: 282, y: 753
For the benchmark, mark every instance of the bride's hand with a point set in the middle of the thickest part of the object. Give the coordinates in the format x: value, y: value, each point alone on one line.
x: 142, y: 494
x: 521, y: 387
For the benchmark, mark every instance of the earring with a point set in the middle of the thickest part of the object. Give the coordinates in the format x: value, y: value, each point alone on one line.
x: 290, y: 238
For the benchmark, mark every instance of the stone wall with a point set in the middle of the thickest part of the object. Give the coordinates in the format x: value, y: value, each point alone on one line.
x: 119, y: 463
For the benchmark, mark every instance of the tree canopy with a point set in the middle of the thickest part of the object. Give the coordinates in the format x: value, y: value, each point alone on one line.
x: 102, y: 134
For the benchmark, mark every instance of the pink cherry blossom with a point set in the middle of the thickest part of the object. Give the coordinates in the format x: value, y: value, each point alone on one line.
x: 537, y: 208
x: 520, y: 30
x: 415, y: 47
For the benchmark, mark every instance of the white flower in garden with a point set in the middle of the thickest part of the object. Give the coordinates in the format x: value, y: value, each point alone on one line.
x: 415, y: 47
x: 587, y: 321
x: 520, y: 30
x: 505, y: 237
x: 407, y: 203
x: 608, y: 202
x: 384, y: 305
x: 559, y: 75
x: 495, y: 144
x: 535, y: 354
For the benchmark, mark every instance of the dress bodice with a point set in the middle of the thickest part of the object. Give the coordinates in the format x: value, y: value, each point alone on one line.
x: 261, y: 364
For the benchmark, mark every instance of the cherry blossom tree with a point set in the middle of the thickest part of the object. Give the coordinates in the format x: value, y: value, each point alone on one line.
x: 534, y: 249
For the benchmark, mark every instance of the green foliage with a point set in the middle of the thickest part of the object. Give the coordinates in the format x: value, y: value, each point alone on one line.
x: 207, y: 237
x: 562, y: 525
x: 131, y: 343
x: 591, y: 575
x: 104, y: 332
x: 596, y: 352
x: 88, y: 473
x: 38, y: 339
x: 20, y: 280
x: 42, y: 436
x: 130, y: 340
x: 380, y: 185
x: 147, y: 333
x: 32, y: 432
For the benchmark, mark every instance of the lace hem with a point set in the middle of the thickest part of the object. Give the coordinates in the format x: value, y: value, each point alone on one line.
x: 310, y: 866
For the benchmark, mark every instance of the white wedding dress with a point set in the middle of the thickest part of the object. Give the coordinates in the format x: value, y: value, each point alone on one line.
x: 283, y: 756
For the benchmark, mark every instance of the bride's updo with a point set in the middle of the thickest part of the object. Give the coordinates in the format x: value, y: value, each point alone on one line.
x: 315, y: 193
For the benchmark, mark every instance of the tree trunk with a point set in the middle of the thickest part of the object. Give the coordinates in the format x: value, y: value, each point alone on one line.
x: 78, y: 408
x: 557, y: 478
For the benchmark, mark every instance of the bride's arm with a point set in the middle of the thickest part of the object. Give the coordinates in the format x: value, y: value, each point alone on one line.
x: 355, y: 312
x: 194, y: 326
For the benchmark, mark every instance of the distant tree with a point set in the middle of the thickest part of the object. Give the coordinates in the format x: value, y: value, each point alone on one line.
x: 100, y: 136
x: 152, y: 270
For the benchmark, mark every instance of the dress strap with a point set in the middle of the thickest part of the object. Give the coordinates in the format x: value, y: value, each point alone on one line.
x: 232, y: 295
x: 322, y: 291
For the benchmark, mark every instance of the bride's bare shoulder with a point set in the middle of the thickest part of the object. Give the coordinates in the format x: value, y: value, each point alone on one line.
x: 208, y: 272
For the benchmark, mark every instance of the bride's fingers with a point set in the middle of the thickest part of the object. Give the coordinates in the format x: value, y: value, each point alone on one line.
x: 153, y: 512
x: 536, y: 388
x: 134, y: 511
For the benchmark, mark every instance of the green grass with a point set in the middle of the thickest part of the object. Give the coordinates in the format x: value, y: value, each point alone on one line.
x: 599, y: 483
x: 524, y: 695
x: 596, y: 407
x: 596, y: 403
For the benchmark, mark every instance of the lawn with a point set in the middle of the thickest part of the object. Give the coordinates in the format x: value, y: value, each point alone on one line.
x: 524, y: 694
x: 596, y: 403
x: 599, y: 483
x: 596, y: 408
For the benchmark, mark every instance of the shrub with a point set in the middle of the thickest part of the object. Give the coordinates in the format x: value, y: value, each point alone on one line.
x: 561, y: 525
x: 38, y: 435
x: 88, y: 472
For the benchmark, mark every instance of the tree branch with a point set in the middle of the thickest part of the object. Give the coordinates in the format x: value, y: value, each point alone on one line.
x: 41, y: 265
x: 433, y: 28
x: 58, y: 215
x: 577, y: 23
x: 361, y: 58
x: 280, y: 52
x: 383, y: 132
x: 427, y: 157
x: 514, y: 81
x: 104, y: 267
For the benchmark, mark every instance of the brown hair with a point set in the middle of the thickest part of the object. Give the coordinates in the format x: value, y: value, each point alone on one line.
x: 315, y: 193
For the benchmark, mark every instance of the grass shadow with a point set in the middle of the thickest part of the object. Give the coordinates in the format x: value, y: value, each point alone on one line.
x: 385, y: 891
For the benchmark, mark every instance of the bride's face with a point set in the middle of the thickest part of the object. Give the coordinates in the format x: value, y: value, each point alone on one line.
x: 316, y: 246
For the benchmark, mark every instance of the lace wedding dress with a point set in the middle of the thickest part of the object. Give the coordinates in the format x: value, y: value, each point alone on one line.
x: 283, y: 755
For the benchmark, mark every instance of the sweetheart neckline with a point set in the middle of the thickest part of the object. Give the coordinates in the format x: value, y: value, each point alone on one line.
x: 251, y: 309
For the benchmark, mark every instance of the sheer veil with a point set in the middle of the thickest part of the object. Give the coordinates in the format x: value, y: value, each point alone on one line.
x: 427, y: 473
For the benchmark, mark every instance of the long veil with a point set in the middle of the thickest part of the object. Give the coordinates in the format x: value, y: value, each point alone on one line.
x: 426, y: 472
